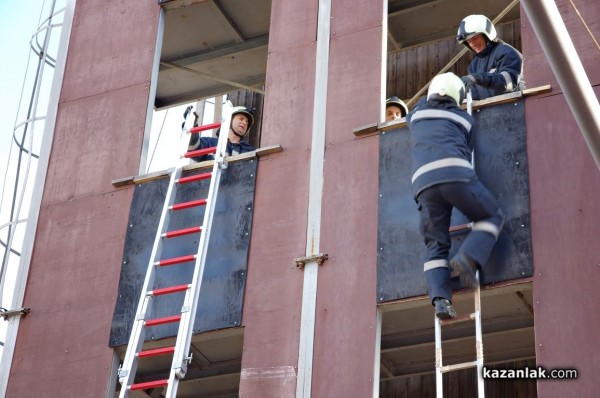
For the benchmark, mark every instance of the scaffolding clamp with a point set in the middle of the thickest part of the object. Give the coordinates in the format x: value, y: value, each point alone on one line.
x: 4, y: 313
x: 320, y: 258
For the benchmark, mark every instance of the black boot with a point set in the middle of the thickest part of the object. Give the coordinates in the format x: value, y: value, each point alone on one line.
x: 443, y: 308
x: 466, y: 268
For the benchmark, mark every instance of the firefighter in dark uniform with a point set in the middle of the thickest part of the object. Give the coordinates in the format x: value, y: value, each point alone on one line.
x: 241, y: 121
x: 497, y: 67
x: 443, y: 178
x: 395, y: 109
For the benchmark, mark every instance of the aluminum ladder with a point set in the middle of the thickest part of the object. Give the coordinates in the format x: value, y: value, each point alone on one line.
x: 191, y: 291
x: 440, y: 369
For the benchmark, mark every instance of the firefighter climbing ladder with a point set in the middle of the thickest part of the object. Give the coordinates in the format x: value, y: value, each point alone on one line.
x: 440, y: 369
x: 191, y: 291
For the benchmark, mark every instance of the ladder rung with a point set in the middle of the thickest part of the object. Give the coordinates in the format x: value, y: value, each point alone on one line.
x: 200, y: 152
x: 149, y: 384
x: 459, y: 319
x: 180, y: 232
x: 176, y: 260
x: 459, y: 366
x: 211, y: 126
x: 156, y: 352
x: 187, y: 205
x: 461, y: 227
x: 162, y: 321
x: 196, y: 177
x: 169, y: 290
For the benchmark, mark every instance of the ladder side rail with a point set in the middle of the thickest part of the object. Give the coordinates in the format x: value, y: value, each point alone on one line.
x: 186, y: 326
x: 439, y: 375
x: 479, y: 338
x: 137, y: 336
x: 478, y: 363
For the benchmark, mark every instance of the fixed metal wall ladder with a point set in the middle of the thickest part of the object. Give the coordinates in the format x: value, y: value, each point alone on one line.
x: 440, y: 369
x: 191, y: 291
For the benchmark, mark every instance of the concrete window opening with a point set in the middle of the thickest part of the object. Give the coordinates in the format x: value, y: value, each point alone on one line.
x: 416, y: 52
x: 209, y: 54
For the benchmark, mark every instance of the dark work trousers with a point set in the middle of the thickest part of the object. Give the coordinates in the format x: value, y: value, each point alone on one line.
x: 435, y: 208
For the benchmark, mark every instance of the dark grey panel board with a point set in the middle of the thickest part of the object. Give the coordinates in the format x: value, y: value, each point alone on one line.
x: 501, y: 164
x: 224, y: 279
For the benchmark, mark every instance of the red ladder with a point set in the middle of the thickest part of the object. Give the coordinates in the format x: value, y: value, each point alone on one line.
x: 186, y: 316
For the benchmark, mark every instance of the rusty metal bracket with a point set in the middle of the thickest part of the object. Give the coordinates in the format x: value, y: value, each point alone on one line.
x: 4, y: 313
x: 320, y: 258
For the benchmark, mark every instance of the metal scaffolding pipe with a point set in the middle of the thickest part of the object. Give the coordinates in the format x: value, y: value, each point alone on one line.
x: 568, y: 69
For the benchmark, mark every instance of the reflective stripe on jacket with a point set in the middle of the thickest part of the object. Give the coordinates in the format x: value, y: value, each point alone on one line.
x: 440, y: 137
x: 498, y: 70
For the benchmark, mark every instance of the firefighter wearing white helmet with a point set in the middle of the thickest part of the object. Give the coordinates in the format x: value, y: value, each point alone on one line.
x: 497, y: 67
x: 241, y: 121
x: 395, y: 108
x: 447, y: 84
x: 443, y: 178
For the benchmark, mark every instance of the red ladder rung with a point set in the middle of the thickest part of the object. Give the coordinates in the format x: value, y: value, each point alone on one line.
x: 149, y: 384
x: 176, y: 260
x: 187, y: 205
x: 200, y: 152
x: 461, y: 227
x: 196, y: 177
x: 156, y: 352
x: 459, y: 319
x: 169, y: 290
x: 180, y: 232
x: 162, y: 321
x: 199, y: 129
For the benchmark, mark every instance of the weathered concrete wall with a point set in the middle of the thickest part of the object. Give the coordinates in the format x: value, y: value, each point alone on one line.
x: 273, y: 299
x: 346, y: 306
x: 565, y: 192
x: 62, y: 347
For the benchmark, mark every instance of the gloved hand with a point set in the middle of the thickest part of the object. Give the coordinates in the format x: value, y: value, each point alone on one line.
x: 469, y: 81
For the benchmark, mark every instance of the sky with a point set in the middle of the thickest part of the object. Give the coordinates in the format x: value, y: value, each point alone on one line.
x: 19, y: 22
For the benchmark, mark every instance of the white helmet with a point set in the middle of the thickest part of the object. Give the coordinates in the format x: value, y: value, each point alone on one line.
x: 244, y: 111
x: 474, y: 25
x: 395, y: 101
x: 447, y: 84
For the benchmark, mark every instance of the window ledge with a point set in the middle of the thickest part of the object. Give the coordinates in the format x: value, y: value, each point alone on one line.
x: 132, y: 180
x: 372, y: 129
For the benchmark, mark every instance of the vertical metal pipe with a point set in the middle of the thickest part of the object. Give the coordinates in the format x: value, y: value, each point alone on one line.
x: 315, y: 195
x: 566, y: 65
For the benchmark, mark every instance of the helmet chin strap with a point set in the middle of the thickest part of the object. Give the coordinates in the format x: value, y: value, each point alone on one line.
x: 236, y: 133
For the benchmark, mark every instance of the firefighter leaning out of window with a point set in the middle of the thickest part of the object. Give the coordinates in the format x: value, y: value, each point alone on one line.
x: 497, y: 67
x: 241, y: 122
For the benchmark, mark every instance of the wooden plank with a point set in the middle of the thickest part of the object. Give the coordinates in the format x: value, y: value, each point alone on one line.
x: 268, y: 150
x: 370, y: 129
x: 461, y: 295
x: 132, y: 180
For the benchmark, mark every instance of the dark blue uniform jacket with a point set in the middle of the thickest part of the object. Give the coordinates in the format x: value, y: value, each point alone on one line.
x: 197, y: 142
x: 498, y: 69
x: 440, y: 136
